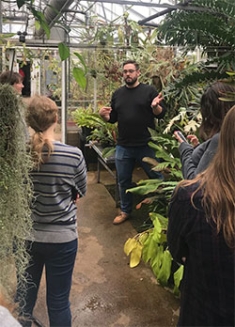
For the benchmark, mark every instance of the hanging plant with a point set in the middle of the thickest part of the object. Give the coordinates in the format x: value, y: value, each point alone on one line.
x: 15, y: 187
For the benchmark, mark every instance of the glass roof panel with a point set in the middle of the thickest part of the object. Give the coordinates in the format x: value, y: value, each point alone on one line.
x: 81, y: 14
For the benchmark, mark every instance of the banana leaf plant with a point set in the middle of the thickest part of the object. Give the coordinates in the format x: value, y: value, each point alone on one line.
x: 150, y: 245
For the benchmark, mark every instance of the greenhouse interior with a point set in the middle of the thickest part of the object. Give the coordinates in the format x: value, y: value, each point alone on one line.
x: 117, y: 159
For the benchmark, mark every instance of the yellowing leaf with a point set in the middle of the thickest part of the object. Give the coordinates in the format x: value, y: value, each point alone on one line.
x: 143, y: 237
x: 130, y: 244
x: 135, y: 256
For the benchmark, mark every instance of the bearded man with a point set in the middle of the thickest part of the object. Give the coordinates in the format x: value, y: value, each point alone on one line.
x: 134, y: 106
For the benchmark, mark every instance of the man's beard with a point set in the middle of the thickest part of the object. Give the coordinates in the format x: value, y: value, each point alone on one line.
x: 130, y: 81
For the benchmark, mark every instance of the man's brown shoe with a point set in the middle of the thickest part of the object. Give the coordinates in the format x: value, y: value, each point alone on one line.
x: 121, y: 218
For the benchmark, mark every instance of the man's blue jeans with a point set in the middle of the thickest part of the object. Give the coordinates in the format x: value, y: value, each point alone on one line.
x: 58, y: 259
x: 125, y: 160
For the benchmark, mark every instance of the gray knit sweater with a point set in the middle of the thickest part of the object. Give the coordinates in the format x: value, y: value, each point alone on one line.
x: 196, y: 160
x: 54, y: 212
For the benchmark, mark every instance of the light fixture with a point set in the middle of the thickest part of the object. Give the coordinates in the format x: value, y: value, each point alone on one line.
x: 22, y: 36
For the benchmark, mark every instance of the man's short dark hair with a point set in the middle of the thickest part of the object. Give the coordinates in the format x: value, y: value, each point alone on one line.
x: 11, y: 78
x: 133, y: 62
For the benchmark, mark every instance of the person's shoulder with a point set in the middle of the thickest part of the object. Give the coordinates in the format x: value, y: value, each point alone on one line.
x: 211, y: 143
x: 66, y: 147
x: 147, y: 87
x: 184, y: 192
x: 120, y: 89
x: 215, y: 138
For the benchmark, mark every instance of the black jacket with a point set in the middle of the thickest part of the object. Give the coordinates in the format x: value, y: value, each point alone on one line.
x: 131, y: 108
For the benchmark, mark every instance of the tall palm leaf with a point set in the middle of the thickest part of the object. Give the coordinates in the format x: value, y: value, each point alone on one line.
x: 210, y: 26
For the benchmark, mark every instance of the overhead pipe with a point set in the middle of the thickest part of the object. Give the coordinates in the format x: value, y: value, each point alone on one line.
x: 53, y: 11
x: 161, y: 13
x: 183, y: 6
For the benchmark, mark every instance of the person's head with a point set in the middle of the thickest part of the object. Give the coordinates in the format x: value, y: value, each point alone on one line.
x: 14, y: 79
x: 131, y: 72
x: 42, y: 116
x: 213, y: 109
x: 42, y: 113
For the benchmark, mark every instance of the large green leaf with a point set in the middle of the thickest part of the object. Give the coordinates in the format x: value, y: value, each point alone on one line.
x: 157, y: 230
x: 163, y: 221
x: 156, y: 261
x: 178, y: 275
x: 37, y: 25
x: 63, y: 51
x: 165, y: 269
x: 46, y: 28
x: 145, y: 189
x: 80, y: 77
x: 108, y: 152
x: 149, y: 250
x: 7, y: 35
x: 80, y: 57
x: 41, y: 18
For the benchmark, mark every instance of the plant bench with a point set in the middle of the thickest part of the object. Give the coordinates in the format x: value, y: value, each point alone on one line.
x: 106, y: 162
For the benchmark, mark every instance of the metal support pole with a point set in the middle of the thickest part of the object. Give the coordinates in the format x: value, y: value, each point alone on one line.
x: 11, y: 53
x: 64, y: 101
x: 95, y: 85
x: 1, y: 52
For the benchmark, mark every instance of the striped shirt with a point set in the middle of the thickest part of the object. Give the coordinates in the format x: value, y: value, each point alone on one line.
x: 55, y: 185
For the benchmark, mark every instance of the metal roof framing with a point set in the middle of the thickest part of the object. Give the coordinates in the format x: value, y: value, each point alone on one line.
x: 107, y: 10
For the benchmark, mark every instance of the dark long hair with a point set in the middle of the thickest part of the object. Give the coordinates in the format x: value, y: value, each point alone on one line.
x: 11, y: 78
x: 213, y: 109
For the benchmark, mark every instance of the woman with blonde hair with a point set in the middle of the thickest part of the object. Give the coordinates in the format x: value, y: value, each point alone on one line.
x: 201, y: 236
x: 58, y: 178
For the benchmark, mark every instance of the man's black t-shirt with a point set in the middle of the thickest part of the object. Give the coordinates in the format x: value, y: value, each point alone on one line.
x: 131, y: 108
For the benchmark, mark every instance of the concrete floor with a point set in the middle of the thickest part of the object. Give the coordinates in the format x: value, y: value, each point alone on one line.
x: 106, y: 292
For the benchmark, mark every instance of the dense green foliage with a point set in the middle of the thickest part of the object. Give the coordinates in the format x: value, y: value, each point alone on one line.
x: 100, y: 131
x: 210, y: 27
x: 151, y: 245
